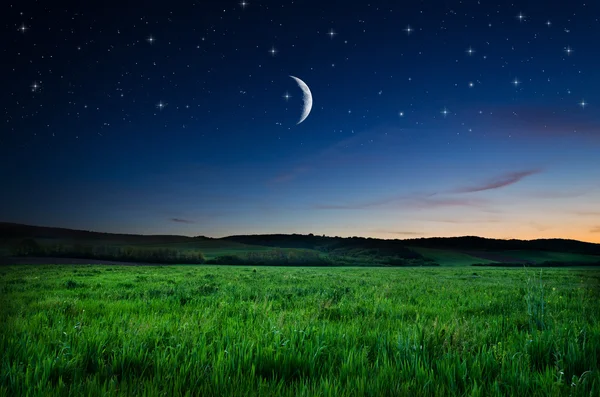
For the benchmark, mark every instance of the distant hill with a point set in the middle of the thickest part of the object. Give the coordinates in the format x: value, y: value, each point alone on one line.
x: 11, y: 234
x: 487, y: 244
x: 336, y: 245
x: 16, y: 230
x: 467, y: 243
x: 447, y: 251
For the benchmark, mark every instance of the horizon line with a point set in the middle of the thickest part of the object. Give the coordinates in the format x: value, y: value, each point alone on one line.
x: 291, y: 234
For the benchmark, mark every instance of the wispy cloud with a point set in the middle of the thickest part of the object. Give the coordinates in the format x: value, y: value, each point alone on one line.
x: 436, y: 200
x: 497, y: 182
x: 560, y: 194
x: 423, y: 201
x: 587, y: 213
x: 540, y: 227
x: 339, y: 153
x: 291, y: 174
x: 595, y: 230
x: 463, y: 221
x: 180, y: 220
x: 427, y: 203
x: 361, y: 205
x: 399, y: 233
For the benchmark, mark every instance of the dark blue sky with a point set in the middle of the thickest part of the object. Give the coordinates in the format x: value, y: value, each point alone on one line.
x: 429, y: 118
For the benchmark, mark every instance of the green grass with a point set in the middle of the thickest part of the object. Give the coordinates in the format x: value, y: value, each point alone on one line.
x: 238, y: 331
x: 546, y: 256
x: 449, y: 258
x: 446, y: 257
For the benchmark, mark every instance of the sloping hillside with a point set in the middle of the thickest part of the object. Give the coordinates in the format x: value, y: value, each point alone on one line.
x: 454, y: 251
x: 11, y: 234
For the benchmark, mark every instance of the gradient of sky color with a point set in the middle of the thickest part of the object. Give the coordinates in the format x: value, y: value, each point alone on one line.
x: 169, y: 118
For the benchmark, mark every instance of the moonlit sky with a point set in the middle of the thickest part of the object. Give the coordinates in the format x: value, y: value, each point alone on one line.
x: 430, y: 118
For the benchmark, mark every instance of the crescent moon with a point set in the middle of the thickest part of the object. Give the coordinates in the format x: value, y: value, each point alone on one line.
x: 306, y: 97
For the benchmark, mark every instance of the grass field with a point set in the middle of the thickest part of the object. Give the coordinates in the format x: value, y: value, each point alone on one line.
x: 450, y: 258
x: 447, y: 257
x: 209, y: 330
x: 546, y: 256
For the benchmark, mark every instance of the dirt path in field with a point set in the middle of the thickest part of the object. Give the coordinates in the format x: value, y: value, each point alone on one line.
x: 6, y: 261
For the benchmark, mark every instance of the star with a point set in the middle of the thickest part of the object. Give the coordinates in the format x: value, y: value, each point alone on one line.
x: 401, y: 114
x: 150, y: 39
x: 273, y: 51
x: 331, y: 33
x: 548, y: 23
x: 161, y: 105
x: 568, y: 50
x: 520, y: 17
x: 470, y: 51
x: 445, y: 112
x: 516, y: 82
x: 22, y: 28
x: 243, y: 3
x: 583, y: 103
x: 471, y: 84
x: 35, y: 86
x: 287, y: 96
x: 408, y: 30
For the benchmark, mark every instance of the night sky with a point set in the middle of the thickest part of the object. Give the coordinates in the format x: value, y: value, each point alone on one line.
x: 429, y: 118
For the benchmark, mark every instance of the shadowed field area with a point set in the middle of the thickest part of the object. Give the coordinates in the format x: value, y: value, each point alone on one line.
x: 447, y: 257
x: 227, y: 330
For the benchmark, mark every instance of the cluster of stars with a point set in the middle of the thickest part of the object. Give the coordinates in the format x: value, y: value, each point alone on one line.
x: 470, y: 51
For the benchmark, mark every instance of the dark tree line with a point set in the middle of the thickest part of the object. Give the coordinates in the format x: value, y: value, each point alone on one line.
x: 31, y: 248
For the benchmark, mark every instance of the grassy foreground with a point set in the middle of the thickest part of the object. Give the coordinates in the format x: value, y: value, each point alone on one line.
x: 229, y: 331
